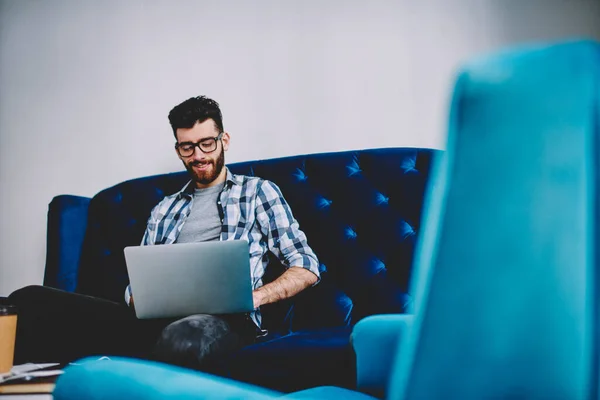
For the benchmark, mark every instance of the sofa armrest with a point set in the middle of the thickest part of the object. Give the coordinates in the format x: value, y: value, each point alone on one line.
x: 67, y: 222
x: 375, y: 340
x: 121, y: 378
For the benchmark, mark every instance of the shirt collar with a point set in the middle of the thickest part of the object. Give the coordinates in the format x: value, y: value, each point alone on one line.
x: 188, y: 189
x: 234, y: 179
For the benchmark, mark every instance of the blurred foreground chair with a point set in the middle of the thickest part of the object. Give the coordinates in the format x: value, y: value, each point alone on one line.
x: 506, y: 282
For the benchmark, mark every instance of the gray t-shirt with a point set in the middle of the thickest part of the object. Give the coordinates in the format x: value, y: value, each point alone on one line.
x: 204, y: 223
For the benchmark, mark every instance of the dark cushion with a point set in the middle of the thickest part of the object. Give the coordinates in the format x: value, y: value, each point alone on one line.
x: 361, y: 212
x: 298, y: 361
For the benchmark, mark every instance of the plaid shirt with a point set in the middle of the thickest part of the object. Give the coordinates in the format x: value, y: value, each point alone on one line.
x: 251, y: 209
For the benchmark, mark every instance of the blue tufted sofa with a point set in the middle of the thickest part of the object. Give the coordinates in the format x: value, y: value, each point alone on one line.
x: 361, y: 212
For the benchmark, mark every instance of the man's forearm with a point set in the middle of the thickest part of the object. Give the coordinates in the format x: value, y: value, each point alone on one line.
x: 289, y: 284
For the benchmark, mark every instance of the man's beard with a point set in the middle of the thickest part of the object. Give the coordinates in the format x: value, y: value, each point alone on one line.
x: 209, y: 175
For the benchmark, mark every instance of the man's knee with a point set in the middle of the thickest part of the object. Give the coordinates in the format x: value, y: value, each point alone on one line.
x: 198, y: 341
x: 27, y: 294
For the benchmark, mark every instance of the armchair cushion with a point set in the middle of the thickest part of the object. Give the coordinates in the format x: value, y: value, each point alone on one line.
x: 375, y: 340
x: 135, y: 379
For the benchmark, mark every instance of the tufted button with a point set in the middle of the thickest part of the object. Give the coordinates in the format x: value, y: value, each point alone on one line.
x: 353, y: 168
x: 300, y: 175
x: 323, y: 203
x: 406, y: 230
x: 350, y: 233
x: 378, y: 265
x: 380, y: 199
x: 118, y: 197
x: 409, y: 164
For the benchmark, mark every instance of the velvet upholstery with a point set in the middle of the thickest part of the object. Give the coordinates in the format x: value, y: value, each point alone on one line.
x: 298, y: 360
x: 361, y: 212
x: 376, y: 340
x: 509, y: 275
x: 67, y: 223
x: 113, y: 381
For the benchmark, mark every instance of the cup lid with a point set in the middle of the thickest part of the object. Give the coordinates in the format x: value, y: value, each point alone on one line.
x: 7, y: 309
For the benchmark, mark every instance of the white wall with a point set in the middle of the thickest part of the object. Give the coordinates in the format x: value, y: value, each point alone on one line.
x: 85, y: 86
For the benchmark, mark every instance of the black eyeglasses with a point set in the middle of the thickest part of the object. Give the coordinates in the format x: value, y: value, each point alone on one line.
x: 206, y: 145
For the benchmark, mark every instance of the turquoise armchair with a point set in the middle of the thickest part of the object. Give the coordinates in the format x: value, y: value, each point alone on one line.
x: 507, y: 267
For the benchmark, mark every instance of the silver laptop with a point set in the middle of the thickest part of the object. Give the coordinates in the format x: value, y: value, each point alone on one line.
x: 177, y: 280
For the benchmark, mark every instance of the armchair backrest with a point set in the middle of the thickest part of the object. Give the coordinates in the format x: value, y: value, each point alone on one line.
x: 510, y: 294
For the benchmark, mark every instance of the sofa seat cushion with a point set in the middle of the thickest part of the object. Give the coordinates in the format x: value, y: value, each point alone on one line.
x: 298, y: 361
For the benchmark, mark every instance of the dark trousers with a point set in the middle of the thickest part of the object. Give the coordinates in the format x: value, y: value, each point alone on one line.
x: 57, y: 326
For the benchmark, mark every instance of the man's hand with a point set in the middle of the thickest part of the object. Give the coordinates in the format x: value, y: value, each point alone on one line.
x: 289, y: 284
x: 257, y: 298
x: 131, y: 304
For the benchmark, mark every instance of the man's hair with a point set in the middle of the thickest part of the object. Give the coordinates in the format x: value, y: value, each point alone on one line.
x: 193, y: 110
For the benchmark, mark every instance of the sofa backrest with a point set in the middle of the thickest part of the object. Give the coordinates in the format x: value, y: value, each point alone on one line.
x: 360, y: 210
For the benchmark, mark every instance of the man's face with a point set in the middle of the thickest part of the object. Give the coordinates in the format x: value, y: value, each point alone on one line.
x: 206, y: 169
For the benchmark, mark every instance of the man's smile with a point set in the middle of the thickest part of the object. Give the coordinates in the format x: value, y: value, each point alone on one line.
x: 202, y: 166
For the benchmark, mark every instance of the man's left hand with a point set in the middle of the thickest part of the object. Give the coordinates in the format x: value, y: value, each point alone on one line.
x: 257, y: 298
